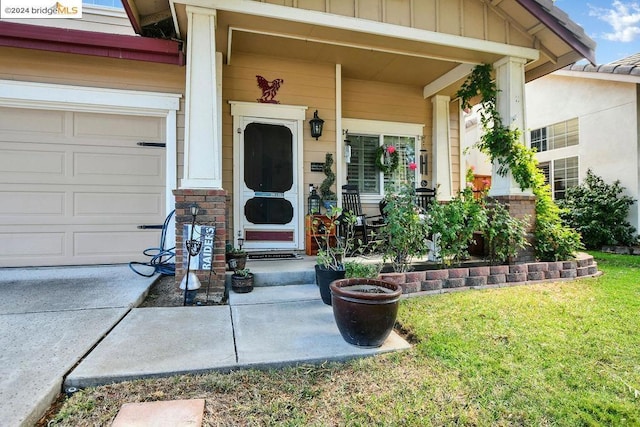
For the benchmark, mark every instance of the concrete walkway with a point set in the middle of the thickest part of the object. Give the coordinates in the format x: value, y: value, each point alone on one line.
x: 53, y: 318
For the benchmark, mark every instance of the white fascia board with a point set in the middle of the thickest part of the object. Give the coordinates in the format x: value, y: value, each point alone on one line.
x: 612, y: 77
x: 323, y: 19
x: 445, y: 80
x: 81, y: 98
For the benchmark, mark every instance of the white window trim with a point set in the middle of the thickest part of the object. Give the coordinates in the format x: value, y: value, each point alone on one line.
x: 379, y: 127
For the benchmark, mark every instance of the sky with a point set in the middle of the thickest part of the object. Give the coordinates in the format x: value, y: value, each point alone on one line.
x: 613, y: 24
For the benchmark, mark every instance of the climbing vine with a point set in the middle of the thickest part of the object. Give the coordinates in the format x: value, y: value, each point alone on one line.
x: 554, y: 240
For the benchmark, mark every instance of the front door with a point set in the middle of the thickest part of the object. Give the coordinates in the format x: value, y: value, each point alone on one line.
x: 268, y: 199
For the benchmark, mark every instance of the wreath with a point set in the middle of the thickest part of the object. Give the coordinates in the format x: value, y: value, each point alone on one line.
x: 387, y: 166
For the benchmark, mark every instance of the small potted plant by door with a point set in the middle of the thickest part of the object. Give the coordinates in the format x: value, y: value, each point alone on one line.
x: 242, y: 281
x: 236, y: 258
x: 365, y: 308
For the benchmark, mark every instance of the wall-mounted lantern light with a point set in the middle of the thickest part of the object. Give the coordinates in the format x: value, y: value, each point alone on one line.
x: 316, y: 126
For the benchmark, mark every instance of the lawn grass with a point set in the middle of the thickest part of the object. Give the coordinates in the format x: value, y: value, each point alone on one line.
x: 565, y: 354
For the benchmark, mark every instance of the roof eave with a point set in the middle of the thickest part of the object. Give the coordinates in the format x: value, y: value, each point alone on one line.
x: 90, y: 43
x: 558, y: 29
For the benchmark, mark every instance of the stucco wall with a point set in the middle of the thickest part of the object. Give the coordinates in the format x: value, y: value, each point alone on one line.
x: 608, y: 123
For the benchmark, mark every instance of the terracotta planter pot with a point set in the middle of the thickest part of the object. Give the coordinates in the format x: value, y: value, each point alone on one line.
x: 242, y: 284
x: 365, y: 310
x: 324, y: 278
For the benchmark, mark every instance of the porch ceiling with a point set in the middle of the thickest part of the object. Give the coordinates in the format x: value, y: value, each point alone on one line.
x: 384, y: 57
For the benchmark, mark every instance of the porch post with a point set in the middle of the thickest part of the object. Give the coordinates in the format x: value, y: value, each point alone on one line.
x: 511, y: 106
x: 504, y: 189
x: 202, y: 178
x: 442, y: 148
x: 202, y: 145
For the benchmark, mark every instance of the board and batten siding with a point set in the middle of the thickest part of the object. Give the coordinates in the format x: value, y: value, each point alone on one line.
x: 468, y: 18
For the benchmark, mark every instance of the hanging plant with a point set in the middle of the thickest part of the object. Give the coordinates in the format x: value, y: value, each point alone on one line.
x: 387, y: 158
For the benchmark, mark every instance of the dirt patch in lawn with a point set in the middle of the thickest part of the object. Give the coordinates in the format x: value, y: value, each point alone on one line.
x: 165, y: 293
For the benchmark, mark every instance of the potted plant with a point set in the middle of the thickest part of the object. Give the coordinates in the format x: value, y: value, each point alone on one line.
x: 365, y: 309
x: 236, y: 258
x: 326, y: 193
x: 242, y: 281
x: 334, y: 237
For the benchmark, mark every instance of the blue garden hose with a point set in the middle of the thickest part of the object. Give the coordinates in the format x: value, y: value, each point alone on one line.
x: 161, y: 258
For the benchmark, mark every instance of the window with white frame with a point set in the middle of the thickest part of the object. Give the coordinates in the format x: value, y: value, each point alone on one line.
x: 559, y: 135
x: 365, y: 138
x: 561, y: 174
x: 116, y: 4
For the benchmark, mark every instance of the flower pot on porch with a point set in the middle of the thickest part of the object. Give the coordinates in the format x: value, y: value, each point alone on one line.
x: 242, y: 284
x: 365, y: 310
x: 324, y: 277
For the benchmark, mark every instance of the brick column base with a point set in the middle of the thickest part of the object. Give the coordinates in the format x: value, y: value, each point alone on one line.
x: 212, y: 211
x: 522, y: 207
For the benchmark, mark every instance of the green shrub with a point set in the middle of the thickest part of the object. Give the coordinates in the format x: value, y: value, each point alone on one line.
x: 359, y: 269
x: 598, y: 211
x: 406, y: 232
x: 504, y: 235
x: 454, y: 224
x: 554, y: 239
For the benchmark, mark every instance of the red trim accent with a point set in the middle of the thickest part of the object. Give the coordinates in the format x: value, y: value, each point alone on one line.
x: 90, y: 43
x: 274, y: 236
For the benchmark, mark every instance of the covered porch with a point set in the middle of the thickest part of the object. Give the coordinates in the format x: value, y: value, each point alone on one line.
x: 381, y: 70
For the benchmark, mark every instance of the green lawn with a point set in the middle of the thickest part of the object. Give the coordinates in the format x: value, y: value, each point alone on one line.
x: 565, y: 354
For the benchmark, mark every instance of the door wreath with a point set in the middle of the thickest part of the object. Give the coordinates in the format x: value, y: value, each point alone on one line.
x: 387, y: 158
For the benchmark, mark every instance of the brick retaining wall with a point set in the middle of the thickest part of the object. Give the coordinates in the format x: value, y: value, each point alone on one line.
x: 453, y: 279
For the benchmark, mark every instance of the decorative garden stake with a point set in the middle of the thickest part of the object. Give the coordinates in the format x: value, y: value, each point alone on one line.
x: 193, y: 249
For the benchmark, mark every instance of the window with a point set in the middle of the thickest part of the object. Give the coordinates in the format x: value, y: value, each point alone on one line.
x: 117, y: 4
x: 559, y: 135
x: 560, y: 174
x: 365, y: 138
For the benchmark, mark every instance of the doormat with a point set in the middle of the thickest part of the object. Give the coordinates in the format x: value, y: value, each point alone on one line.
x: 274, y: 256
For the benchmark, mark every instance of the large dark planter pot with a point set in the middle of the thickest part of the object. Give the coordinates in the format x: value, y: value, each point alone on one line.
x: 365, y: 310
x: 324, y: 277
x: 242, y: 284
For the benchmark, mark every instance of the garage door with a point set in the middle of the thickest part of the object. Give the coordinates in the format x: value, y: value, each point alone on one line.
x: 74, y: 187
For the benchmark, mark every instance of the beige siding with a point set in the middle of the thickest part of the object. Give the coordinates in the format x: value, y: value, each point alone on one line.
x: 79, y: 70
x: 382, y: 101
x: 469, y: 18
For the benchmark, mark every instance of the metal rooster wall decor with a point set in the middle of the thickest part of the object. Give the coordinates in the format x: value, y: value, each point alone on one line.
x: 269, y: 90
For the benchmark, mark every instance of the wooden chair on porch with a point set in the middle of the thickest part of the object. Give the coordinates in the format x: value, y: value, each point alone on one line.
x: 366, y: 226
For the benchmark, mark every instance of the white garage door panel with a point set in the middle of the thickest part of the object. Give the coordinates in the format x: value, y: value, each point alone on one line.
x: 118, y: 204
x: 76, y: 186
x: 20, y: 246
x: 125, y: 245
x: 39, y: 203
x: 25, y: 162
x: 37, y: 122
x: 127, y: 167
x: 117, y: 127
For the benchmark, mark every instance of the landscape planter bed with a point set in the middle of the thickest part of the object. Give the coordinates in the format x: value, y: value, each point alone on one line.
x: 483, y: 276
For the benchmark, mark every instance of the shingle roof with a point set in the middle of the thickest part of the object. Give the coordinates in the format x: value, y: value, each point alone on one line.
x: 625, y: 66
